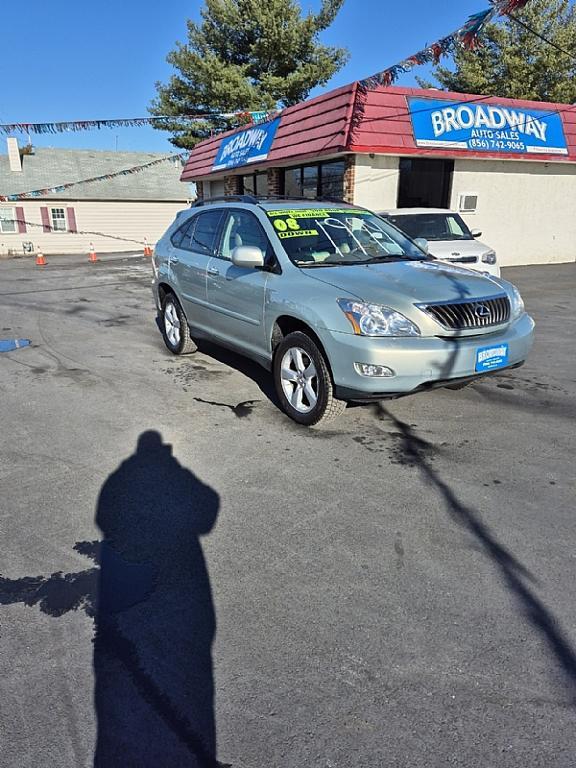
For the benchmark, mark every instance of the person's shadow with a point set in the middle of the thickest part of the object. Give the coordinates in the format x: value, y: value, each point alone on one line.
x: 155, y: 620
x: 153, y: 610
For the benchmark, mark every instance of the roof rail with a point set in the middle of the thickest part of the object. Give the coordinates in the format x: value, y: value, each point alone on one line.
x: 255, y: 199
x: 304, y: 198
x: 226, y: 199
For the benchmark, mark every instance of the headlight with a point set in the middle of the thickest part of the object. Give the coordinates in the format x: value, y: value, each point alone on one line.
x: 489, y: 257
x: 516, y: 303
x: 376, y: 320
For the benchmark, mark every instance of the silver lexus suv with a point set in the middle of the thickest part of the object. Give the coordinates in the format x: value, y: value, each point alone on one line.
x: 335, y: 301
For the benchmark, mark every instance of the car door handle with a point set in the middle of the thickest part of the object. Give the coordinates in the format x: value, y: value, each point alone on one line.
x: 213, y: 271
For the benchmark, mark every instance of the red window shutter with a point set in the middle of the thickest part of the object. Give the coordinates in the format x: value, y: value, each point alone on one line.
x: 45, y: 220
x: 71, y: 220
x: 21, y: 221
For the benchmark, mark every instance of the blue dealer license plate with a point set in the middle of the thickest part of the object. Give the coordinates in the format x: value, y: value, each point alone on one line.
x: 490, y: 358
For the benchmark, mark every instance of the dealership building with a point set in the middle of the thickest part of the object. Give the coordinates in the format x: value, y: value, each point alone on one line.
x: 508, y: 166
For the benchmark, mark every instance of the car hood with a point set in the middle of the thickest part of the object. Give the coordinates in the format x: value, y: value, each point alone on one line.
x: 446, y: 249
x: 401, y: 283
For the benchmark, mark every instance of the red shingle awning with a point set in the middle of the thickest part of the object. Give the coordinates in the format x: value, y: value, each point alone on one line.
x: 348, y: 120
x: 312, y: 128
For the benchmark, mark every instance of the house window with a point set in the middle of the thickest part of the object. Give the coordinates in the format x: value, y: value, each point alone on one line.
x: 7, y: 220
x: 315, y: 180
x: 58, y: 219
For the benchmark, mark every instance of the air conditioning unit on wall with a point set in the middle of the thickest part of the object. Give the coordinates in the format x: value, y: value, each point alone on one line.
x: 467, y: 202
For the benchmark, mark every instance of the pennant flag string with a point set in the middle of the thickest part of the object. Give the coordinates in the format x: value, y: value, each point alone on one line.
x: 466, y: 36
x: 131, y: 122
x: 51, y: 228
x: 105, y: 177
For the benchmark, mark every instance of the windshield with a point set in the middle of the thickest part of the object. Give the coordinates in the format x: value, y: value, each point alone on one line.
x: 432, y: 226
x: 328, y: 237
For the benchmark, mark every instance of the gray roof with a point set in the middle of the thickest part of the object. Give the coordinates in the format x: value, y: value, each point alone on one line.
x: 51, y: 167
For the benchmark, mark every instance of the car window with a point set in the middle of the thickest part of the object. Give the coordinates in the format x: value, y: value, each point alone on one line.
x: 339, y: 236
x: 183, y: 232
x: 243, y: 228
x: 204, y: 234
x: 432, y: 226
x: 457, y: 226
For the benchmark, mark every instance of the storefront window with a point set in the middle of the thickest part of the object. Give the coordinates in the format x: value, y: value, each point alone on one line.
x: 261, y: 183
x: 255, y: 184
x: 310, y: 179
x: 317, y: 180
x: 249, y: 184
x: 425, y: 183
x: 333, y: 179
x: 293, y: 182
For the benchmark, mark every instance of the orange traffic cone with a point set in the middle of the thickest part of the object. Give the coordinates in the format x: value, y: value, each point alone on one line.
x: 40, y: 259
x: 147, y: 248
x: 92, y: 255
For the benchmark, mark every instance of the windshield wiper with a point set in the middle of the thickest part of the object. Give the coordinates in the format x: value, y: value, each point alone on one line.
x: 389, y: 257
x: 311, y: 264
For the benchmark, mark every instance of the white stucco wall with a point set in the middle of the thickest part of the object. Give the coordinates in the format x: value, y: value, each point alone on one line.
x: 376, y: 181
x: 526, y: 211
x: 131, y: 220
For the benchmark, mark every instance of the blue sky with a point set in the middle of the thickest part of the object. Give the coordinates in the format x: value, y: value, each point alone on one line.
x: 73, y: 61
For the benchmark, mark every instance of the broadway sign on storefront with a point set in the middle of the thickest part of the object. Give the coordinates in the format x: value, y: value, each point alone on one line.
x: 249, y: 146
x: 482, y: 127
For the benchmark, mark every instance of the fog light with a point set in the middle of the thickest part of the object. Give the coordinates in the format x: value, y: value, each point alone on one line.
x: 367, y: 369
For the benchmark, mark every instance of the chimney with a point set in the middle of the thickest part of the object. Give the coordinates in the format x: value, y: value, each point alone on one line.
x: 14, y: 155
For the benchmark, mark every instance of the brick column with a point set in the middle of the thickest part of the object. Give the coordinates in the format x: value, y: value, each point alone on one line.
x: 349, y: 178
x: 199, y: 190
x: 232, y: 185
x: 274, y: 181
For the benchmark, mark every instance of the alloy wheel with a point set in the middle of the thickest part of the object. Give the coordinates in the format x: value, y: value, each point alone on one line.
x: 299, y: 379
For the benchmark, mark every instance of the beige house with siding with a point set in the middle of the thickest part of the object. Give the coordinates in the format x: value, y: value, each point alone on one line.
x: 114, y: 214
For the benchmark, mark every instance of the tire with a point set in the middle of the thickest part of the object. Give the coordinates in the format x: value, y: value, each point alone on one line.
x: 308, y: 398
x: 174, y: 327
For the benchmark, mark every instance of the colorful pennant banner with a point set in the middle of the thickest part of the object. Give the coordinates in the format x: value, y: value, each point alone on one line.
x: 130, y: 122
x: 92, y: 233
x: 466, y: 36
x: 105, y: 177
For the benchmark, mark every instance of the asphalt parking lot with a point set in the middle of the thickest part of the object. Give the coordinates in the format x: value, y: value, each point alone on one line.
x: 394, y: 590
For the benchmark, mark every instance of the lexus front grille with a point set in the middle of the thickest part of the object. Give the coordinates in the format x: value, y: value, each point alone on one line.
x: 464, y: 315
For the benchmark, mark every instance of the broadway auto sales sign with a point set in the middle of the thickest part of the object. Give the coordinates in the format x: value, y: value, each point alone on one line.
x: 249, y: 146
x: 481, y: 127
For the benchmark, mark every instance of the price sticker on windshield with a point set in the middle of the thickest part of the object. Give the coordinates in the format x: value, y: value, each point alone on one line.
x: 298, y: 233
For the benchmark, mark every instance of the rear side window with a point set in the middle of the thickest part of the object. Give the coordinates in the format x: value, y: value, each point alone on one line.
x: 205, y: 232
x: 182, y: 234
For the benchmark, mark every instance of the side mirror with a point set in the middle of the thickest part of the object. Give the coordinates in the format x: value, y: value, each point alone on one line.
x: 248, y: 256
x: 476, y: 233
x: 422, y: 243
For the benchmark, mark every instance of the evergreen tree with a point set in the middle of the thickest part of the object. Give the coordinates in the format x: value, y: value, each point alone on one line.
x: 245, y: 55
x: 514, y: 62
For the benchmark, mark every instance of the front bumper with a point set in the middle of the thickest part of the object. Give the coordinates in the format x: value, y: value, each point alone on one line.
x: 418, y: 362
